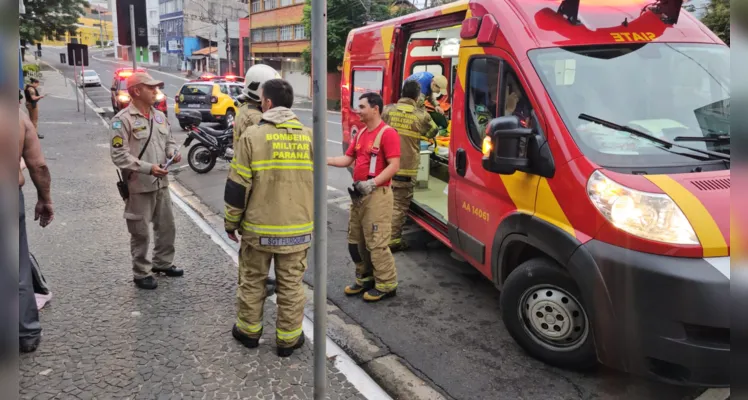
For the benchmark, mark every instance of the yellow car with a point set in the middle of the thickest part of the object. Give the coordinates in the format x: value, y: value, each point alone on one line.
x: 214, y: 99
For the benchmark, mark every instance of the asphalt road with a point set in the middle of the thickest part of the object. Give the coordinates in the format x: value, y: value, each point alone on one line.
x: 445, y: 320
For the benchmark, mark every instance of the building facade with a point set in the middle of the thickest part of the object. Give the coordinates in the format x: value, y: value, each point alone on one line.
x: 145, y: 55
x: 277, y: 38
x: 94, y: 27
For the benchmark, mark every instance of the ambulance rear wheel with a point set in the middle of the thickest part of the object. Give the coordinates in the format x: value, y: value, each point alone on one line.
x: 542, y: 309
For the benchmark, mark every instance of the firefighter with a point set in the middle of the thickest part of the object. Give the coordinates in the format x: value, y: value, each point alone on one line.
x: 250, y: 112
x: 269, y: 200
x: 411, y: 123
x: 376, y: 153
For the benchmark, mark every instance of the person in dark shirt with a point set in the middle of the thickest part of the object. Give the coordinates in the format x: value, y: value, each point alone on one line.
x: 32, y: 98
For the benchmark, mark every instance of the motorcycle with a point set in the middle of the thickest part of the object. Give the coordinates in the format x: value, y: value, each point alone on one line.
x: 211, y: 144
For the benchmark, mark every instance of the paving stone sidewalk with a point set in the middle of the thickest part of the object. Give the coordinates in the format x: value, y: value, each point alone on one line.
x: 105, y: 339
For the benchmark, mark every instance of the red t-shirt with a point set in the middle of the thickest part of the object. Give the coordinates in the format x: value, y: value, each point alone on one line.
x: 360, y: 150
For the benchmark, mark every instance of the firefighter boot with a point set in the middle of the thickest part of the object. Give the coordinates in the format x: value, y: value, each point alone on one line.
x: 287, y: 351
x: 375, y: 295
x: 362, y: 284
x: 398, y: 245
x: 244, y: 339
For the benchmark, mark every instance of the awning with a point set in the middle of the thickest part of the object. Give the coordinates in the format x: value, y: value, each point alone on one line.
x: 197, y: 57
x: 205, y: 51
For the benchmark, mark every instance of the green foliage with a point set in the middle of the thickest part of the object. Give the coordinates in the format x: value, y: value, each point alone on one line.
x: 50, y: 18
x: 342, y: 17
x: 717, y: 18
x: 30, y: 67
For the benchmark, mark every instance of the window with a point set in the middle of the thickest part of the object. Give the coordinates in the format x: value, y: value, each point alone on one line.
x: 256, y: 6
x: 483, y: 97
x: 285, y: 3
x: 236, y: 90
x: 299, y: 32
x: 436, y: 69
x: 154, y: 15
x: 257, y: 35
x: 196, y: 89
x: 285, y: 33
x: 365, y: 81
x: 270, y: 4
x: 224, y: 89
x: 270, y: 34
x: 154, y: 31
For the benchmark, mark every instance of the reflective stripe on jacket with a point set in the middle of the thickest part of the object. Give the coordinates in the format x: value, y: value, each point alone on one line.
x: 411, y: 122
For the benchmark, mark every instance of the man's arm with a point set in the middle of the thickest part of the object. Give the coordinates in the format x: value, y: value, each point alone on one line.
x: 238, y: 186
x: 391, y: 150
x: 35, y: 162
x: 429, y: 128
x: 119, y: 148
x: 171, y: 143
x: 340, y: 161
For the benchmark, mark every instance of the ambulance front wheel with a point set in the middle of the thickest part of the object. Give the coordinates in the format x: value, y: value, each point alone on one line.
x: 541, y: 308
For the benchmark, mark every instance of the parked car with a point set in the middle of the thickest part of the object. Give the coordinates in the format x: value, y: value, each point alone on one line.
x: 213, y: 97
x: 88, y: 77
x: 120, y: 97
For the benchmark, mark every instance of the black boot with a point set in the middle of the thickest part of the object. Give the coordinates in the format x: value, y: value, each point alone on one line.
x: 170, y: 271
x: 242, y: 337
x: 148, y: 283
x: 29, y: 345
x: 287, y: 351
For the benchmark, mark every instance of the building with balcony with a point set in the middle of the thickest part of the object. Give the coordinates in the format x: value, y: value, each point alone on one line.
x: 277, y: 38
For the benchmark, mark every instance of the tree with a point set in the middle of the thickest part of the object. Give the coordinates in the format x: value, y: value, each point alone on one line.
x: 717, y: 18
x: 342, y: 17
x: 50, y: 18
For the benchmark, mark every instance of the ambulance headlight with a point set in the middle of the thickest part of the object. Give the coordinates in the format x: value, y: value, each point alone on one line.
x: 652, y: 216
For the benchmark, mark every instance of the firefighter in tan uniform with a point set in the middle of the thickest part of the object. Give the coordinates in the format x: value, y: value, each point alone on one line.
x: 411, y: 123
x: 375, y: 153
x: 269, y: 198
x: 140, y: 144
x: 250, y: 112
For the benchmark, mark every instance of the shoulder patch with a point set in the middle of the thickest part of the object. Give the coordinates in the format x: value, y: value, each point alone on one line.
x: 117, y: 142
x: 159, y: 119
x: 117, y: 125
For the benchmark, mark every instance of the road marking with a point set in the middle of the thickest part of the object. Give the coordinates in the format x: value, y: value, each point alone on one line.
x: 56, y: 122
x: 715, y: 394
x: 334, y: 141
x: 342, y: 361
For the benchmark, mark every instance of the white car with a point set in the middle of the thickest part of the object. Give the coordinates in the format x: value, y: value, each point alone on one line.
x: 89, y: 77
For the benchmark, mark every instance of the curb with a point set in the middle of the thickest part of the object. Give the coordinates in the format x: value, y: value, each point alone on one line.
x: 388, y: 370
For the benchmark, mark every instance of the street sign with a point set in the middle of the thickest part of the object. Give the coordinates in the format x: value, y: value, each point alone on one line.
x: 78, y: 53
x: 124, y: 33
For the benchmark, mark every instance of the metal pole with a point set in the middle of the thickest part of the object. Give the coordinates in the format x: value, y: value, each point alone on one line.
x: 75, y: 81
x: 83, y: 87
x: 132, y: 36
x: 319, y: 115
x: 101, y: 31
x: 228, y: 46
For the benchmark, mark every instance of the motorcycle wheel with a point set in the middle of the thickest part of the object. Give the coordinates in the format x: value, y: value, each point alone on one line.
x: 200, y: 159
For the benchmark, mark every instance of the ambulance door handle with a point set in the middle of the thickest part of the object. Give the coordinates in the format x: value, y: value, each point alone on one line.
x: 461, y: 162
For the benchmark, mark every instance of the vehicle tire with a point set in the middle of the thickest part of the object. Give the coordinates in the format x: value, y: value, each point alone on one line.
x: 226, y: 124
x: 200, y: 159
x: 542, y: 309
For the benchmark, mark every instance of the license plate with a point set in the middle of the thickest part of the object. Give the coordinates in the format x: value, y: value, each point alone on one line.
x: 193, y: 105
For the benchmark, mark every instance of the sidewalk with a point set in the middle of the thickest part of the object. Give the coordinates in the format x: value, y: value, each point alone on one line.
x: 102, y: 337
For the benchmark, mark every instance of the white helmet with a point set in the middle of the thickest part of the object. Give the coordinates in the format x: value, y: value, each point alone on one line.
x: 255, y: 78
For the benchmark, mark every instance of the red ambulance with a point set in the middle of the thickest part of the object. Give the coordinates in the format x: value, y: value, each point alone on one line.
x: 585, y: 171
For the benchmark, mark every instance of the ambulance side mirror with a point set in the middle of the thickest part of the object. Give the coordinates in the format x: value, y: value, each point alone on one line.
x: 509, y: 147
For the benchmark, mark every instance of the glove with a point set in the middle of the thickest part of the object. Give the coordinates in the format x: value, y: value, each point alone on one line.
x: 365, y: 187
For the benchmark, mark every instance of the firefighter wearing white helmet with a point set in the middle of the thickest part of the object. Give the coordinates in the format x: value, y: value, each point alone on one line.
x: 250, y: 112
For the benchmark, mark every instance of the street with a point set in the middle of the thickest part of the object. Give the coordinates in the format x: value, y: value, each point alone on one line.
x: 444, y: 323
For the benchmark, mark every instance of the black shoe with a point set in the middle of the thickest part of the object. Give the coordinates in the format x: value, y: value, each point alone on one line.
x: 242, y: 337
x: 270, y: 286
x: 170, y: 271
x: 149, y: 282
x: 287, y: 351
x: 29, y: 345
x: 40, y: 136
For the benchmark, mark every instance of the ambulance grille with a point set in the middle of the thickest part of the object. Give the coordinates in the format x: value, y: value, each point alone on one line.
x: 713, y: 184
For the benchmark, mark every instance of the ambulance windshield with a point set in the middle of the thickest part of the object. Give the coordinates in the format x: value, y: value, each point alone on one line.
x: 677, y: 92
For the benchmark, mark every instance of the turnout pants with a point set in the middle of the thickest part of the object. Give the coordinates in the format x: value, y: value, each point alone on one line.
x: 402, y: 196
x: 254, y: 266
x: 29, y: 328
x: 369, y: 231
x: 142, y: 210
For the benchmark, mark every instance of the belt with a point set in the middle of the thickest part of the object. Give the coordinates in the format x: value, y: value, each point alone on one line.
x: 402, y: 178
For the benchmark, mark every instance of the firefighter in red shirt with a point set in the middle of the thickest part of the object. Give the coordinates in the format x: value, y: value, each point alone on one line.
x: 376, y: 152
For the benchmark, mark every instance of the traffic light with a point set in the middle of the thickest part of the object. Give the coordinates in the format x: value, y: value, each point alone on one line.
x: 124, y: 35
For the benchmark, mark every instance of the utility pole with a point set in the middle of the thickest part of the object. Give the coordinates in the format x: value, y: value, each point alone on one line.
x: 319, y: 117
x: 132, y: 35
x: 101, y: 30
x: 228, y: 45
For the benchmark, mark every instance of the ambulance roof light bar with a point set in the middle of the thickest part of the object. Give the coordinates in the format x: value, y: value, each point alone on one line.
x: 669, y: 10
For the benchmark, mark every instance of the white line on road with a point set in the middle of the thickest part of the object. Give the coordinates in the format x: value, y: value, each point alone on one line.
x: 343, y: 362
x: 715, y: 394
